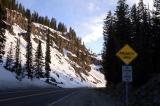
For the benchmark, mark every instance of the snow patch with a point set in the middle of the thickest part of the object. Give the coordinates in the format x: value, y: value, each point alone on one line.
x: 8, y: 81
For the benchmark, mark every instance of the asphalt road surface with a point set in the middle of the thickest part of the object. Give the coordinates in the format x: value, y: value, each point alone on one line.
x: 56, y: 97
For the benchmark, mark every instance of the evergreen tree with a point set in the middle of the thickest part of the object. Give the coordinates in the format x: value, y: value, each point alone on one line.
x: 141, y: 8
x: 47, y: 57
x: 72, y: 33
x: 41, y: 20
x: 53, y: 24
x: 46, y: 21
x: 17, y: 65
x: 9, y: 60
x: 157, y: 6
x: 109, y: 49
x: 134, y: 22
x: 35, y: 17
x: 61, y: 27
x: 142, y: 45
x: 2, y: 32
x: 19, y: 72
x: 123, y: 23
x: 156, y: 37
x: 28, y: 15
x: 39, y: 62
x: 29, y: 47
x: 20, y: 7
x: 13, y: 4
x: 121, y: 37
x: 5, y: 3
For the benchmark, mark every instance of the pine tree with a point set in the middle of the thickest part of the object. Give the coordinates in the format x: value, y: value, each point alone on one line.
x: 47, y: 57
x: 108, y: 62
x: 46, y: 21
x: 29, y: 66
x: 121, y: 37
x: 156, y: 37
x: 134, y: 22
x: 19, y: 72
x: 117, y: 32
x: 13, y: 4
x: 157, y: 6
x: 17, y: 65
x: 123, y: 22
x: 142, y: 45
x: 5, y: 3
x: 61, y: 27
x: 39, y: 62
x: 2, y: 33
x: 9, y: 60
x: 35, y: 16
x: 53, y: 24
x: 72, y: 33
x: 141, y: 8
x: 20, y: 7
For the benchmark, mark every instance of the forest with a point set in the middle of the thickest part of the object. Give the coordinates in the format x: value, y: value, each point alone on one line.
x: 138, y: 26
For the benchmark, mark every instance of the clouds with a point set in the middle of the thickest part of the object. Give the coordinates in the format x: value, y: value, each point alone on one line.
x: 85, y: 16
x: 94, y: 29
x: 93, y: 7
x: 92, y: 35
x: 93, y: 26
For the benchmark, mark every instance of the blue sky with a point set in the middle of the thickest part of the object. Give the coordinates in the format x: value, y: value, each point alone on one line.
x: 85, y: 16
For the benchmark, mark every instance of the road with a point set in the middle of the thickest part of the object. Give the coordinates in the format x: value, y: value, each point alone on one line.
x: 56, y: 97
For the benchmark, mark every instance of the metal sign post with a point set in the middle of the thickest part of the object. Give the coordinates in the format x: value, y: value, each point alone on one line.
x: 126, y: 77
x: 127, y: 55
x: 126, y: 94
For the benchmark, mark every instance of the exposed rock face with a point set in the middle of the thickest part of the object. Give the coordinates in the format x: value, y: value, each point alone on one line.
x: 16, y: 17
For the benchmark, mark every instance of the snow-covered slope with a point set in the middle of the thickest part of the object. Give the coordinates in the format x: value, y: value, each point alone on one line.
x: 62, y: 70
x: 8, y: 81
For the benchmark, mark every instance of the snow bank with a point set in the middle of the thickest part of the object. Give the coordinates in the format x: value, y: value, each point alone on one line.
x: 8, y: 81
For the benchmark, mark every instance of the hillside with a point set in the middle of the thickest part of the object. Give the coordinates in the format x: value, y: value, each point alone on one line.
x: 71, y: 63
x: 8, y: 81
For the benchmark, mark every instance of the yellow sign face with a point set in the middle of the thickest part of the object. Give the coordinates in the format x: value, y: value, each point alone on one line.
x: 127, y: 54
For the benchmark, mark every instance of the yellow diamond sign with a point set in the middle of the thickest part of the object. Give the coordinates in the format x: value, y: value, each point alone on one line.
x: 127, y: 54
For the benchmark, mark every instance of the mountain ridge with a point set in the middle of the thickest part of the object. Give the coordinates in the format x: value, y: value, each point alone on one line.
x: 71, y: 66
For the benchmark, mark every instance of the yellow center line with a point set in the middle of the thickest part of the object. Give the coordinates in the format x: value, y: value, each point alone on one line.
x: 20, y: 97
x: 11, y: 92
